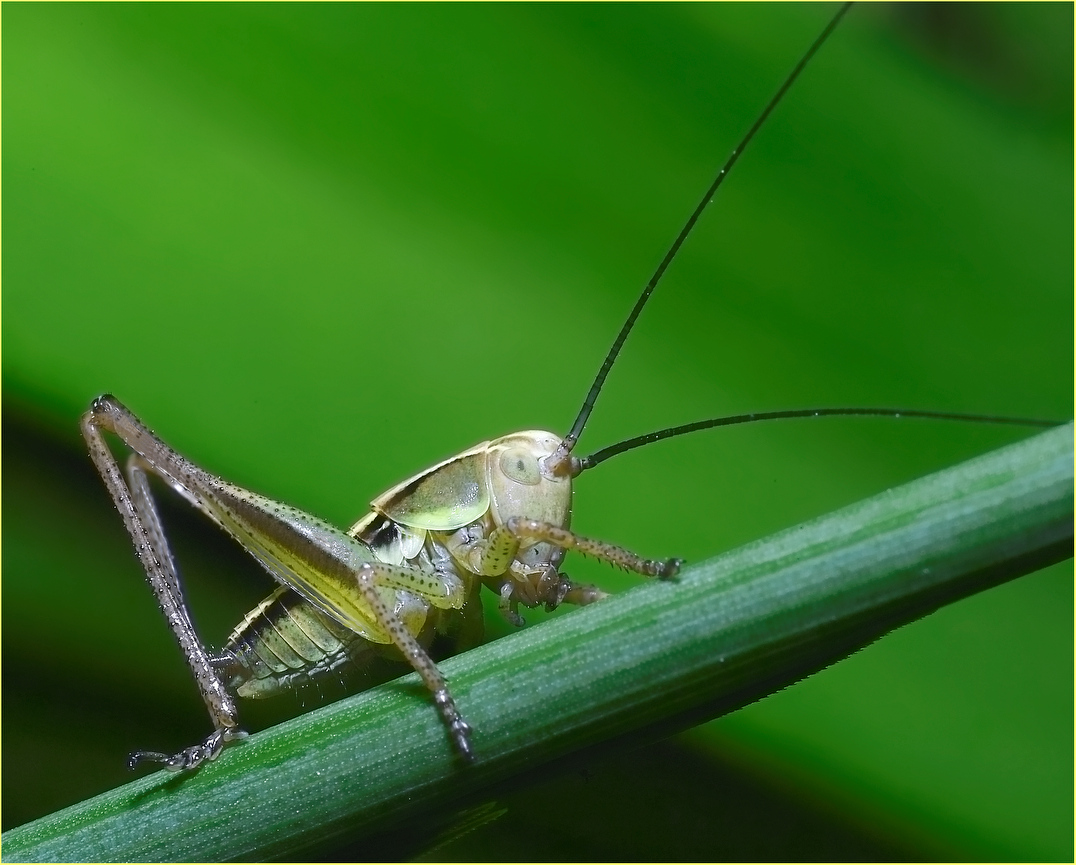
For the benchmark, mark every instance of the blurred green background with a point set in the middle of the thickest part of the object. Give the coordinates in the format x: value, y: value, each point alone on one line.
x: 320, y: 247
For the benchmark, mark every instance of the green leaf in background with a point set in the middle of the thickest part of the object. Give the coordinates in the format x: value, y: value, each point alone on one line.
x: 318, y: 248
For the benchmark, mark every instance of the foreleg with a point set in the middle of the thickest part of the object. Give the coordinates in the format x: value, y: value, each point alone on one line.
x: 537, y: 530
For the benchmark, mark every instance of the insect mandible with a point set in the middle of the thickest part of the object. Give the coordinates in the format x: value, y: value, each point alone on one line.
x: 496, y: 515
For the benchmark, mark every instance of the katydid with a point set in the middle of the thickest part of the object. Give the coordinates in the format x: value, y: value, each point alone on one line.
x: 495, y: 515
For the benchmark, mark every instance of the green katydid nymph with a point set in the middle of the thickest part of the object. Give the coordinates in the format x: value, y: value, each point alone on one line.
x: 496, y: 515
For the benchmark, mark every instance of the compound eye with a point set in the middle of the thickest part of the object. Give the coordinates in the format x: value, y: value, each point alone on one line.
x: 520, y: 465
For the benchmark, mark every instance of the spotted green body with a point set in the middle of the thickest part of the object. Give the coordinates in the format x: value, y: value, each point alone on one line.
x: 439, y: 522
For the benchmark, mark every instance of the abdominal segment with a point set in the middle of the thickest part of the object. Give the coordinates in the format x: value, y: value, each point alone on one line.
x: 285, y: 642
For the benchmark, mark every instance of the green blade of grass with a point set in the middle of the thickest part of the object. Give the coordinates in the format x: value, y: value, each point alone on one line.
x: 665, y: 655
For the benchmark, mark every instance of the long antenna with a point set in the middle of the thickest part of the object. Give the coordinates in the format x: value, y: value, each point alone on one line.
x: 611, y: 451
x: 559, y: 462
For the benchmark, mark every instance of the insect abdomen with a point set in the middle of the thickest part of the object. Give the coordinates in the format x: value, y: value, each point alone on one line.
x: 284, y: 642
